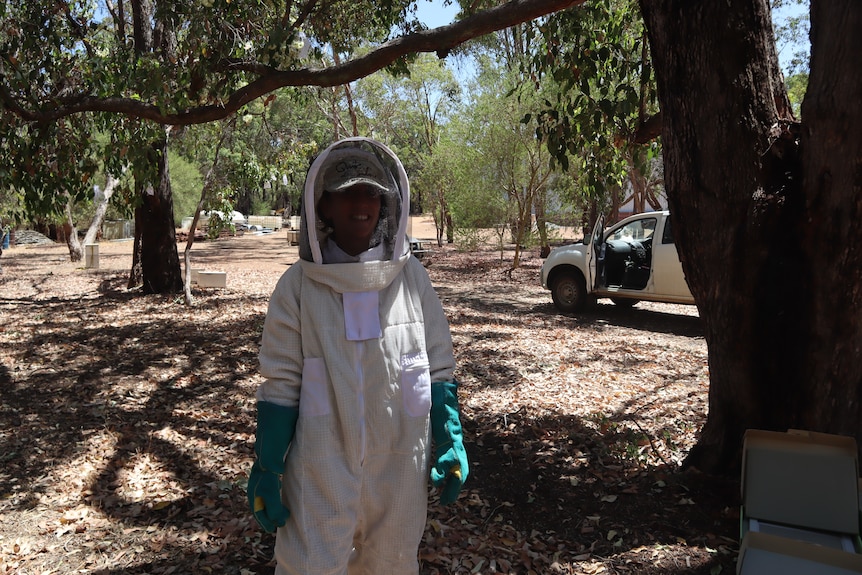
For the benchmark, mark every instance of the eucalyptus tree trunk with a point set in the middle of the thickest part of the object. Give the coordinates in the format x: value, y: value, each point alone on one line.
x: 539, y: 204
x: 76, y: 253
x: 155, y: 259
x: 155, y: 263
x: 101, y: 208
x: 767, y: 214
x: 227, y: 128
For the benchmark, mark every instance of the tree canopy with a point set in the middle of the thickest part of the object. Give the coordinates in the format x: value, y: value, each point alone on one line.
x: 201, y: 63
x: 71, y: 68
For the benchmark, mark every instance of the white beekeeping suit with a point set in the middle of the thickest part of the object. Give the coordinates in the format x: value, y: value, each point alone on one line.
x: 355, y: 343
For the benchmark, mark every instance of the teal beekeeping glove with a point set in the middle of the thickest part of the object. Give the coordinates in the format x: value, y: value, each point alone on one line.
x: 275, y: 427
x: 451, y: 467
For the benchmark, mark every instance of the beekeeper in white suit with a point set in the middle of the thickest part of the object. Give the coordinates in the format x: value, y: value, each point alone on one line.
x: 358, y: 367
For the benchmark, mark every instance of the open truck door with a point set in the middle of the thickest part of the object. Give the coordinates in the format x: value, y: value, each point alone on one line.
x: 596, y: 254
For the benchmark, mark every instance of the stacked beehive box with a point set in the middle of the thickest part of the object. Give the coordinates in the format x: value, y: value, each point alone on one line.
x: 800, y: 504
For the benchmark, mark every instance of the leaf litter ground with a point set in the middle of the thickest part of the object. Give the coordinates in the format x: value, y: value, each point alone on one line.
x: 127, y: 423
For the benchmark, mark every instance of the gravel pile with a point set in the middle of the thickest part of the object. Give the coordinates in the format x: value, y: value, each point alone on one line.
x: 30, y: 238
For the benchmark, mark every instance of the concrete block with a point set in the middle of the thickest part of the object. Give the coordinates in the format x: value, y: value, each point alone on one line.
x: 91, y: 256
x: 210, y: 278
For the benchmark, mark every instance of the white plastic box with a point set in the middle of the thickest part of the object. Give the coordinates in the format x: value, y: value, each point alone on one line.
x: 801, y: 479
x: 207, y: 278
x: 800, y: 504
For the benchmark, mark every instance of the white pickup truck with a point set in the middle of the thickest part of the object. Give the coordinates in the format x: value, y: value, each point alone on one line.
x: 633, y: 260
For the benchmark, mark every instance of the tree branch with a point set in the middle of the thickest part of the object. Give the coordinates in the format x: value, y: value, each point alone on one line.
x: 440, y: 40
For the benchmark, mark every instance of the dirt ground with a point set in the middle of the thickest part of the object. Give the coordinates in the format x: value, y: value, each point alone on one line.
x: 127, y: 422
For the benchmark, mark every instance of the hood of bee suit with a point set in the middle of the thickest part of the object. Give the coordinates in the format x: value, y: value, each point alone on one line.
x: 342, y: 165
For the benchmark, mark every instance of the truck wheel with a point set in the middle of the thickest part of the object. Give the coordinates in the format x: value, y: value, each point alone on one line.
x: 624, y: 301
x: 569, y: 292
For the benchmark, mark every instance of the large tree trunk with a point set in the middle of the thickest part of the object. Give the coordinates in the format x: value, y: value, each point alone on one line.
x: 155, y: 235
x: 768, y: 224
x: 831, y: 143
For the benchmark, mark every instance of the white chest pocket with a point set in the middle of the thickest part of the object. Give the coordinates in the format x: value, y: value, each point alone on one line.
x: 416, y: 383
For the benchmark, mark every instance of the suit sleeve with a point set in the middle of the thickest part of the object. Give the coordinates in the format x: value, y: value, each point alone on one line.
x: 281, y: 345
x: 438, y: 338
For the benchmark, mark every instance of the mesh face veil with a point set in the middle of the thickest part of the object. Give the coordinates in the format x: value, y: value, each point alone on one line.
x: 356, y: 161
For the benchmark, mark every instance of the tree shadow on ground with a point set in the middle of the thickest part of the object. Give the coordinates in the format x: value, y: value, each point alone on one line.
x: 565, y: 480
x: 127, y: 428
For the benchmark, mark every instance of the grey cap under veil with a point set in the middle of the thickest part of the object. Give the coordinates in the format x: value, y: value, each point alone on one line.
x: 347, y: 163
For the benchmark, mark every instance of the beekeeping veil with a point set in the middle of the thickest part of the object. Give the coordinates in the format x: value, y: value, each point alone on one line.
x: 347, y: 163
